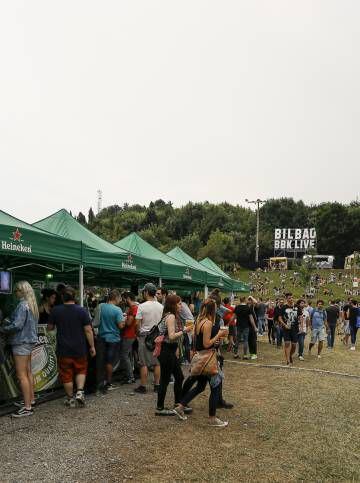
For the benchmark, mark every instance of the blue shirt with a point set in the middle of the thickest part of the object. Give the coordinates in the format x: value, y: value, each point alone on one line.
x: 110, y: 317
x: 318, y: 318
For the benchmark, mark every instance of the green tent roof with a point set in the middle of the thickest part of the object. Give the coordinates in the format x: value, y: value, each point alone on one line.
x: 238, y: 286
x: 21, y: 240
x: 63, y: 224
x: 208, y: 263
x: 99, y: 253
x: 171, y: 269
x: 212, y: 278
x: 135, y: 244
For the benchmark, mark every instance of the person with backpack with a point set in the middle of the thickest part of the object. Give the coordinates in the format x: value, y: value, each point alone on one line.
x: 319, y: 327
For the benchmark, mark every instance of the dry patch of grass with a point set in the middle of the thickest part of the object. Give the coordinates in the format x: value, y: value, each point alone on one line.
x: 286, y: 426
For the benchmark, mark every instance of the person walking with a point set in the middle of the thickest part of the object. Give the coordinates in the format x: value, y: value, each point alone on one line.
x: 278, y: 328
x: 289, y: 320
x: 304, y: 321
x: 319, y: 327
x: 260, y: 310
x: 352, y: 315
x: 270, y: 322
x: 172, y: 331
x: 207, y: 336
x: 22, y: 331
x: 333, y: 314
x: 253, y: 329
x: 73, y: 336
x: 148, y: 315
x: 244, y: 319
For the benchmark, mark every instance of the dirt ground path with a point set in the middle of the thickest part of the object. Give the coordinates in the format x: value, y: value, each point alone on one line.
x: 286, y: 426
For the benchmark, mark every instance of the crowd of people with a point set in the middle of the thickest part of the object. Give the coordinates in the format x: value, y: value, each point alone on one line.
x: 320, y: 284
x: 160, y: 334
x: 287, y: 323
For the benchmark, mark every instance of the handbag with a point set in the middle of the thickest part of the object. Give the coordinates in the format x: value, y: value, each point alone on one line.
x: 152, y: 335
x: 158, y: 343
x: 204, y: 362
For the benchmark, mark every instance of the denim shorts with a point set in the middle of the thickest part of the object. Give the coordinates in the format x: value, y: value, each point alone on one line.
x: 318, y: 335
x: 22, y: 349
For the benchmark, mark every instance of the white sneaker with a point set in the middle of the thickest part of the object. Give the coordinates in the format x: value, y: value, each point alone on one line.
x: 217, y: 423
x: 253, y: 357
x: 319, y: 356
x: 180, y: 413
x: 301, y: 358
x: 352, y: 348
x: 80, y: 398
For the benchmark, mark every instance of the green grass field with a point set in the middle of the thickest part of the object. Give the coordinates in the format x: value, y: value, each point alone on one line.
x: 326, y: 290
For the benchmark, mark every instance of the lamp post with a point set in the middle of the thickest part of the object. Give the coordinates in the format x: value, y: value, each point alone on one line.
x: 258, y: 203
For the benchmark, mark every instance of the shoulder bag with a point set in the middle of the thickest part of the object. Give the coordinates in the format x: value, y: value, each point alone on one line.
x: 204, y: 362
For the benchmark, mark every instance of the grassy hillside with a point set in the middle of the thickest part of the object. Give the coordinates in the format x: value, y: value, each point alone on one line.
x: 329, y: 284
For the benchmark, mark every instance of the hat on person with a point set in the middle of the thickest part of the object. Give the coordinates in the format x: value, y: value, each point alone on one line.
x: 150, y: 288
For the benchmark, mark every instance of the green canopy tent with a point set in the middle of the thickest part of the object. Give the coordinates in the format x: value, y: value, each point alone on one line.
x: 23, y: 245
x: 173, y: 272
x: 212, y: 279
x: 238, y: 286
x: 104, y: 258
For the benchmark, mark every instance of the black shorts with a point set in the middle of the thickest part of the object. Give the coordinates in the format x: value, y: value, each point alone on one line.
x: 291, y: 335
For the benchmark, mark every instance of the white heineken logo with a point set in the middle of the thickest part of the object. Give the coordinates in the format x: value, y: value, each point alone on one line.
x: 16, y: 243
x: 187, y: 274
x: 128, y: 264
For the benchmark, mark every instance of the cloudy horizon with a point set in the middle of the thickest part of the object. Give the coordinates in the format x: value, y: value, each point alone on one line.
x: 191, y: 101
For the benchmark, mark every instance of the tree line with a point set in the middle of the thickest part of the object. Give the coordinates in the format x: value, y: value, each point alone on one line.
x: 225, y: 232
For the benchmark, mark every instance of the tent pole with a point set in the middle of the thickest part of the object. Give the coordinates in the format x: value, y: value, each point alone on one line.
x: 206, y: 292
x: 81, y: 284
x: 232, y: 297
x: 160, y: 282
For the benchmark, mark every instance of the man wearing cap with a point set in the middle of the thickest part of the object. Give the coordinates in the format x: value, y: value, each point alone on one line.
x: 149, y: 314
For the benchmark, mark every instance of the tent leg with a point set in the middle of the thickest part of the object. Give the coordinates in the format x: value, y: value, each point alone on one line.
x: 206, y: 292
x: 160, y: 282
x: 81, y: 284
x: 232, y: 297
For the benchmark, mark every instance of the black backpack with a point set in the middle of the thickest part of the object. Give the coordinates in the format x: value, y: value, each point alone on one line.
x: 152, y: 335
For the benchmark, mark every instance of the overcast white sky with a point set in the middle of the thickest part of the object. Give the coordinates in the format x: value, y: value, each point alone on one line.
x: 180, y: 100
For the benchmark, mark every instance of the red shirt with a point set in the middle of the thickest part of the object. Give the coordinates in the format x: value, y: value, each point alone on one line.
x: 270, y: 313
x: 130, y: 330
x: 228, y: 316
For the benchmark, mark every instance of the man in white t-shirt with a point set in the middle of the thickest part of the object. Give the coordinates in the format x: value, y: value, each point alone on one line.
x: 149, y: 314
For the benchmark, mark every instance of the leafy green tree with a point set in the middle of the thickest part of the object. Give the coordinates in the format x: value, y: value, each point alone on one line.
x: 220, y: 247
x: 81, y: 218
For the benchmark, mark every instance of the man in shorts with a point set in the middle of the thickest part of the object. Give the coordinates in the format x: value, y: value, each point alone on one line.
x: 319, y: 327
x: 111, y: 322
x: 148, y: 315
x: 73, y: 336
x: 289, y: 322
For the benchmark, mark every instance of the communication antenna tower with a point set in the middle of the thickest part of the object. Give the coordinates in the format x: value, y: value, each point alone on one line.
x: 99, y: 206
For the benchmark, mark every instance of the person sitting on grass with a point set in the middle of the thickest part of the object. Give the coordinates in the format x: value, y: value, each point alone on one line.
x: 319, y: 327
